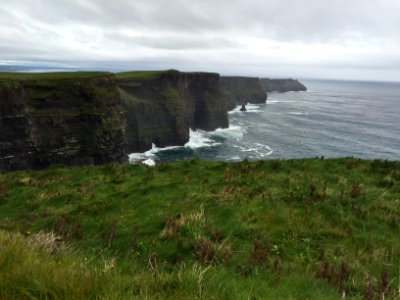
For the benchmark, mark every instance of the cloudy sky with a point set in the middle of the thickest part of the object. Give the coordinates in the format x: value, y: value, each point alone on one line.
x: 341, y: 39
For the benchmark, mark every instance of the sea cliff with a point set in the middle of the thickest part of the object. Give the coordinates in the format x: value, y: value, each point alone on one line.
x: 62, y: 118
x: 162, y: 106
x: 281, y: 85
x: 241, y: 90
x: 94, y: 118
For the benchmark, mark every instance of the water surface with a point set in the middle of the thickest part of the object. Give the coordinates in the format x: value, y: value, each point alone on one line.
x: 331, y: 119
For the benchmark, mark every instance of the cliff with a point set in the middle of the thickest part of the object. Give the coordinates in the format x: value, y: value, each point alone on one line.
x: 281, y: 85
x: 95, y: 118
x: 241, y: 90
x: 60, y: 118
x: 162, y: 105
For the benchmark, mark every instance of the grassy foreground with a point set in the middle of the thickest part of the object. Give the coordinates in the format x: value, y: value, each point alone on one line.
x: 296, y: 229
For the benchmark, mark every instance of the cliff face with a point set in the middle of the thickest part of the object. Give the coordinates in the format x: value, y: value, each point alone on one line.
x: 210, y: 103
x: 162, y: 106
x: 281, y: 85
x: 94, y: 118
x: 70, y: 119
x: 241, y: 90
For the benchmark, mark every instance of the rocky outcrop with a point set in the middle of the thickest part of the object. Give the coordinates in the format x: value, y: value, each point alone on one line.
x: 281, y: 85
x: 241, y: 90
x: 162, y: 106
x: 71, y: 119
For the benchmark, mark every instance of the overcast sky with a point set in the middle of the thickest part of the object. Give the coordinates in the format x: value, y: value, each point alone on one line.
x: 342, y: 39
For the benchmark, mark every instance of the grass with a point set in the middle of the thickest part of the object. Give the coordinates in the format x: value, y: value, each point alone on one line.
x: 83, y: 74
x: 48, y: 76
x: 295, y: 229
x: 142, y: 74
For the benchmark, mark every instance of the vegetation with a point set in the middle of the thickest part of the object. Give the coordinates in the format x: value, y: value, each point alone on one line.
x: 48, y: 76
x: 295, y: 229
x: 142, y: 75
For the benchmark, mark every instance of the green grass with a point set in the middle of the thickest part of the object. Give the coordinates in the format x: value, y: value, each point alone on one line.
x: 84, y: 74
x: 295, y: 229
x: 142, y: 74
x: 48, y: 76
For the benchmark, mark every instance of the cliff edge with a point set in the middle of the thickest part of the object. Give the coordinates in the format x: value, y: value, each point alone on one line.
x: 161, y: 106
x: 282, y: 85
x: 241, y: 90
x: 60, y: 118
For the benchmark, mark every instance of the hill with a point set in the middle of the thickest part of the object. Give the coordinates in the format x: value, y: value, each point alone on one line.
x: 295, y: 229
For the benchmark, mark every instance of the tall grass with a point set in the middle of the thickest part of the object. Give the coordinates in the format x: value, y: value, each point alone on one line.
x: 36, y: 267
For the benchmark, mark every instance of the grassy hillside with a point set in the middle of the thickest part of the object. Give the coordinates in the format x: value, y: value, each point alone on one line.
x: 48, y: 76
x: 142, y: 75
x: 296, y: 229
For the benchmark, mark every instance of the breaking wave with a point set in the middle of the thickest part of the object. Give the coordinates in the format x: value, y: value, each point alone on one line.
x: 250, y: 108
x: 197, y: 139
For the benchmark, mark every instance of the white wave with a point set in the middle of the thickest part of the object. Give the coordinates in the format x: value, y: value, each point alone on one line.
x: 250, y: 108
x: 297, y: 113
x: 146, y: 158
x: 136, y: 157
x: 149, y: 162
x: 248, y: 104
x: 199, y: 139
x: 233, y: 131
x: 260, y: 150
x: 154, y: 149
x: 279, y: 101
x: 264, y: 147
x: 253, y: 108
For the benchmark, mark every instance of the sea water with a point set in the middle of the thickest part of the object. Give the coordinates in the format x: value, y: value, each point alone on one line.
x: 331, y: 119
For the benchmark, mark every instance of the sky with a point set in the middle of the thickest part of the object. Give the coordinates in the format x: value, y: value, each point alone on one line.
x: 322, y: 39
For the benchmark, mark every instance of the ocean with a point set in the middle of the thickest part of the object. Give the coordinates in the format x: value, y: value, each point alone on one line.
x: 331, y: 119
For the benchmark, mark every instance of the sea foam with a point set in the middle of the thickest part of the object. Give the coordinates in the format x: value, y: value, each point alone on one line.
x: 250, y: 108
x: 200, y: 139
x: 197, y: 139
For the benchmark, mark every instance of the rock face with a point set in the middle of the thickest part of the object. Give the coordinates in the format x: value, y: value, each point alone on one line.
x: 95, y: 118
x: 162, y: 106
x: 72, y: 119
x: 241, y: 90
x: 281, y: 85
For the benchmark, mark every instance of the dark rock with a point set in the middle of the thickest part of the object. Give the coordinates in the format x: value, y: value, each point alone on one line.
x: 242, y: 90
x: 60, y: 120
x: 281, y: 85
x: 243, y: 108
x: 162, y: 106
x: 95, y: 118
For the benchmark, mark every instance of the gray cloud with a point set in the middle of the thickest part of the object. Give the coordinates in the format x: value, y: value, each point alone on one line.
x: 252, y: 37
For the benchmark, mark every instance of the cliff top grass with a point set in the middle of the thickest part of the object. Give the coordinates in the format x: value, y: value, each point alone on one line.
x: 295, y: 229
x: 49, y: 75
x: 152, y: 74
x: 143, y: 74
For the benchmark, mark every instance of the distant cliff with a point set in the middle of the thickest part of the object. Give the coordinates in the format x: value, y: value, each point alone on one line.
x: 60, y: 118
x: 241, y: 90
x: 281, y: 85
x: 161, y: 106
